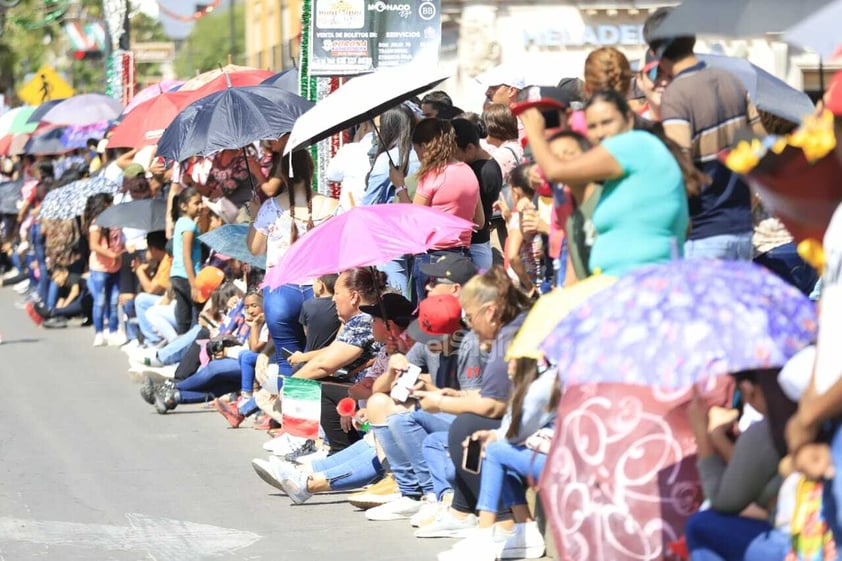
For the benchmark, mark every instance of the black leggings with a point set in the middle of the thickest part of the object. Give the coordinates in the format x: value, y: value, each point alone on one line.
x: 466, y: 485
x: 191, y: 361
x: 338, y: 438
x: 186, y: 312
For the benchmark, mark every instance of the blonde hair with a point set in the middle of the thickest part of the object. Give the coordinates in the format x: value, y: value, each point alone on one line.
x: 606, y: 68
x: 495, y: 286
x: 439, y: 141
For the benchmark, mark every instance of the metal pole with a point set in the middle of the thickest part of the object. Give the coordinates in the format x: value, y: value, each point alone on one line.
x: 231, y: 26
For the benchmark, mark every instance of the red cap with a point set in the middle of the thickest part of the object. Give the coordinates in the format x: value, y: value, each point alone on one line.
x: 834, y: 94
x: 440, y: 315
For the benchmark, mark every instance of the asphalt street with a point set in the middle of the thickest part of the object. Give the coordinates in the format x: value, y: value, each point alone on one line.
x: 88, y: 471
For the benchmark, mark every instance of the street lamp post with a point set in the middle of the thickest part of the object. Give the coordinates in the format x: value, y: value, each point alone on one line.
x: 231, y: 28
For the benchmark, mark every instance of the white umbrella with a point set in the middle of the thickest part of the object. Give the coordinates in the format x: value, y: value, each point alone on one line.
x: 361, y: 99
x: 84, y: 109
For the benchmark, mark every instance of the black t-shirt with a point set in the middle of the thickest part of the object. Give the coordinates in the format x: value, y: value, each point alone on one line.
x: 490, y: 178
x: 72, y: 280
x: 318, y: 315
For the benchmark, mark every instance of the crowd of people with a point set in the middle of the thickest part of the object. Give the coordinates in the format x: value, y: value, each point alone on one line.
x: 613, y: 173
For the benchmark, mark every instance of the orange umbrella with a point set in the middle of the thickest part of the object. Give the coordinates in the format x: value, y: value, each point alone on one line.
x: 232, y: 70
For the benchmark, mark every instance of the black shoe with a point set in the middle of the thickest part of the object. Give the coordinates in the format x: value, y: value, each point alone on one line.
x: 167, y: 397
x: 55, y: 323
x: 42, y: 311
x: 309, y: 447
x: 147, y: 390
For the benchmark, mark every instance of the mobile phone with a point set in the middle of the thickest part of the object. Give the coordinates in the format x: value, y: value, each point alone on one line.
x: 405, y: 382
x: 472, y: 458
x: 286, y: 353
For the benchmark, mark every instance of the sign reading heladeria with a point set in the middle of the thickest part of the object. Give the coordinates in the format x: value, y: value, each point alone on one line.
x: 358, y: 36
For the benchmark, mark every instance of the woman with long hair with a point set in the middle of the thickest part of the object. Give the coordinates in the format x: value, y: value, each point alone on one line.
x: 443, y: 183
x: 104, y: 263
x: 642, y: 216
x: 280, y: 221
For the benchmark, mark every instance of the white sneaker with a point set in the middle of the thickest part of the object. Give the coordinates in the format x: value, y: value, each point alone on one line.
x: 401, y: 509
x: 295, y: 486
x: 22, y: 286
x: 477, y: 550
x: 130, y: 346
x: 525, y: 542
x: 10, y: 274
x: 117, y: 339
x: 427, y: 513
x: 147, y: 358
x: 448, y: 526
x: 99, y: 340
x: 273, y: 471
x: 307, y: 461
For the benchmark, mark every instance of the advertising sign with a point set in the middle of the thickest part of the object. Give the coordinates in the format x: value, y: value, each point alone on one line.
x: 357, y: 36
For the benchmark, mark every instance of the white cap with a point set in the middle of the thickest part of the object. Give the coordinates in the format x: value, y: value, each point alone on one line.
x: 503, y: 75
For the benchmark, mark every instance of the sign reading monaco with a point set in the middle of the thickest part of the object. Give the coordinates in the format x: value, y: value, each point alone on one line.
x: 358, y: 36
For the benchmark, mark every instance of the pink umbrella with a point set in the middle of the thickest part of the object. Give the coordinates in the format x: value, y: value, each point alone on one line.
x: 365, y: 236
x: 149, y: 92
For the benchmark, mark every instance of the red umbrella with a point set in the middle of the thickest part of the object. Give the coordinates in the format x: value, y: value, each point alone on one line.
x: 5, y: 142
x: 620, y: 480
x: 239, y: 76
x: 145, y: 124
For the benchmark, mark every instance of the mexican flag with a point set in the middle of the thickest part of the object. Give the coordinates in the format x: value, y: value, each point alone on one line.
x: 301, y: 407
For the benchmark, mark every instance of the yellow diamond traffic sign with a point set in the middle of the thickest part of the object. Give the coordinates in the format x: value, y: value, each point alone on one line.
x: 46, y: 85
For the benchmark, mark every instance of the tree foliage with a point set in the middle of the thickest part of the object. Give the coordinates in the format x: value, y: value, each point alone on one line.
x: 208, y: 44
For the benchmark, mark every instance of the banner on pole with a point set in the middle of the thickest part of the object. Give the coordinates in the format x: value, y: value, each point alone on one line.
x: 358, y: 36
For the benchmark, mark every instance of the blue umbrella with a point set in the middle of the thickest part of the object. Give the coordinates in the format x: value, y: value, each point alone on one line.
x: 42, y: 110
x: 9, y: 196
x: 231, y: 119
x: 230, y: 240
x: 820, y: 31
x: 769, y: 93
x: 69, y: 201
x: 46, y: 143
x: 676, y: 324
x: 287, y: 80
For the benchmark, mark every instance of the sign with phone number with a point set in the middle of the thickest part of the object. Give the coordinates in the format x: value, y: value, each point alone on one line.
x: 358, y: 36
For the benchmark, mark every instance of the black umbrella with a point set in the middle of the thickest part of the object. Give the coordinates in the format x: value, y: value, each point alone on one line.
x: 230, y: 119
x: 287, y: 80
x: 735, y: 18
x: 47, y: 143
x: 145, y: 214
x: 9, y: 196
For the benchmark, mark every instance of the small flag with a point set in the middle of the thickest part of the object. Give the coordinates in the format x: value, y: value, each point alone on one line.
x: 301, y: 407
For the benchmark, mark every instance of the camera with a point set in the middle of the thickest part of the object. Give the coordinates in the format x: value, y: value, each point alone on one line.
x: 215, y: 347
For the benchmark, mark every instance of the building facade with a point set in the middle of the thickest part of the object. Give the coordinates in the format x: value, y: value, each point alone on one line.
x: 545, y: 39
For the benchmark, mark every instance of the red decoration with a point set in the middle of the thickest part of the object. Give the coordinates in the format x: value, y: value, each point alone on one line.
x: 346, y: 407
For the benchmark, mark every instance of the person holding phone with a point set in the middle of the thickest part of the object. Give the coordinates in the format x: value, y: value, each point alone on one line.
x: 505, y: 459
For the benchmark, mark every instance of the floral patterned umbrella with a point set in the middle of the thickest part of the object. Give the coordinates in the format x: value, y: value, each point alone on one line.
x: 673, y: 325
x: 69, y: 201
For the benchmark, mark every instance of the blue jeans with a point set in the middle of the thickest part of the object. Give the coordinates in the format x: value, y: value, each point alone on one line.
x: 248, y: 362
x: 714, y: 536
x: 351, y: 468
x: 832, y: 499
x: 481, y: 255
x: 733, y: 247
x: 505, y: 469
x: 436, y: 455
x: 105, y: 290
x: 52, y: 296
x: 174, y: 351
x: 142, y: 303
x: 397, y: 275
x: 282, y: 308
x: 130, y: 319
x: 785, y: 262
x: 408, y: 431
x: 39, y: 244
x: 219, y: 377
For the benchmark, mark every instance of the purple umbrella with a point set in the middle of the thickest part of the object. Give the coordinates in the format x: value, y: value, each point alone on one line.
x: 672, y: 325
x: 84, y: 109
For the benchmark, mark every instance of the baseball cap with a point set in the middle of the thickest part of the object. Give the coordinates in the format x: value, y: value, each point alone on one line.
x: 133, y: 170
x: 502, y: 75
x: 455, y: 268
x: 542, y: 98
x: 207, y: 281
x: 394, y: 306
x: 437, y: 316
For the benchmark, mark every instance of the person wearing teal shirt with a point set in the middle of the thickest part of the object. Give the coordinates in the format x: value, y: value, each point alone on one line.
x: 642, y: 216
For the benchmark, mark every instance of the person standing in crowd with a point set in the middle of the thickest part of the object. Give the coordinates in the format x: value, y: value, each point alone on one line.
x: 186, y: 259
x: 502, y: 129
x: 104, y: 263
x: 433, y: 103
x: 490, y: 177
x: 502, y: 84
x: 443, y: 183
x: 702, y: 109
x: 280, y: 221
